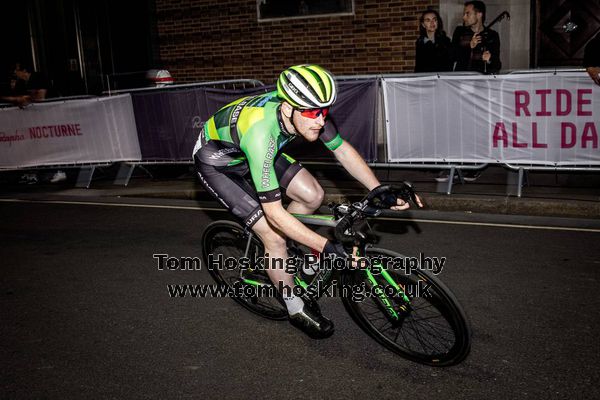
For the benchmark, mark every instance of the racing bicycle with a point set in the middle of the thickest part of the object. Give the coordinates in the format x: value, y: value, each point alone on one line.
x: 408, y: 311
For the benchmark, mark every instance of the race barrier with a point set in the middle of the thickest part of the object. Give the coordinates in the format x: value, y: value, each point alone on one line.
x: 455, y: 121
x: 169, y: 122
x: 169, y: 117
x: 536, y: 119
x: 355, y: 116
x: 84, y: 131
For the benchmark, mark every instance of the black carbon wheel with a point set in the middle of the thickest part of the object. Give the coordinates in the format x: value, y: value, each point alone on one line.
x: 227, y: 239
x: 433, y: 328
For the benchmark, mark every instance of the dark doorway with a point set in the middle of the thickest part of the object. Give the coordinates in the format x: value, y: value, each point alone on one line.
x: 80, y: 45
x: 563, y: 29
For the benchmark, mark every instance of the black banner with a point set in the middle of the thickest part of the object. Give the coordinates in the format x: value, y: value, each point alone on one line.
x: 169, y: 121
x: 354, y: 113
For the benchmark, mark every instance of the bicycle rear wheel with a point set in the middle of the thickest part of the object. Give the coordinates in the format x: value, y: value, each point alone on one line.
x: 431, y: 328
x: 251, y: 282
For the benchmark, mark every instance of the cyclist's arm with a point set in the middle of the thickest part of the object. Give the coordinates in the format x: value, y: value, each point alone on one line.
x: 356, y: 165
x: 283, y: 221
x: 358, y: 168
x: 260, y: 148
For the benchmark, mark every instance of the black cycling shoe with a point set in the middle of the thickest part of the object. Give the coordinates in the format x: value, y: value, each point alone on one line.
x: 312, y: 322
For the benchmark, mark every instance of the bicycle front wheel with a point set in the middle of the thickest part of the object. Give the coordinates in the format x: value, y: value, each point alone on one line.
x: 250, y: 286
x: 430, y: 328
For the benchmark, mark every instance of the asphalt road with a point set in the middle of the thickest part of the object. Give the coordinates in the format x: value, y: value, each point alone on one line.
x: 85, y: 313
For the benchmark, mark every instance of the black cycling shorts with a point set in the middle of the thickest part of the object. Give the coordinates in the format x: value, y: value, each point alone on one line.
x: 231, y: 186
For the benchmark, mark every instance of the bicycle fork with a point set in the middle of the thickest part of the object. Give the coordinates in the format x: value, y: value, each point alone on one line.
x: 381, y: 293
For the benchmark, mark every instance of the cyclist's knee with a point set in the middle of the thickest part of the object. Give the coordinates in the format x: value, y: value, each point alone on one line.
x: 311, y: 195
x: 315, y: 196
x: 305, y: 189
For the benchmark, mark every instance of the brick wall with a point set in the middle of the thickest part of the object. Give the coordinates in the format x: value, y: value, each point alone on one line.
x: 208, y: 40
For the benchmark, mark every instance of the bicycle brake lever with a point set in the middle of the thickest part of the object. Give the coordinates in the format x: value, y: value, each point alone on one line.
x: 371, y: 211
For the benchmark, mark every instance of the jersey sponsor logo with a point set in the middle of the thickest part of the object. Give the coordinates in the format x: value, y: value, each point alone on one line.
x: 211, y: 190
x: 236, y: 113
x: 234, y: 118
x: 238, y: 109
x: 267, y: 164
x: 271, y: 195
x: 222, y: 152
x: 254, y: 217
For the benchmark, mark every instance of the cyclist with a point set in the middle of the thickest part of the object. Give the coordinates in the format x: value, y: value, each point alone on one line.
x: 245, y: 138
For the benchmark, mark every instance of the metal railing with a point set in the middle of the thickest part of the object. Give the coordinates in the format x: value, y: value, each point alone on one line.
x: 126, y: 169
x: 223, y: 84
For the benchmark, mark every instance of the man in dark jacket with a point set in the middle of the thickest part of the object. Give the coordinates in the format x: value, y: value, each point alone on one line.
x: 476, y: 48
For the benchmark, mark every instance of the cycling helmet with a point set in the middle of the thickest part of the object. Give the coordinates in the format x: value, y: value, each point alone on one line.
x: 159, y: 77
x: 307, y: 86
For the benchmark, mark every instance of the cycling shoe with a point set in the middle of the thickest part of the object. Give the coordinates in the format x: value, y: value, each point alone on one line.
x: 312, y: 322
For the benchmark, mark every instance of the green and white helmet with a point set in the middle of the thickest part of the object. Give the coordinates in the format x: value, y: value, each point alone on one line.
x: 307, y: 86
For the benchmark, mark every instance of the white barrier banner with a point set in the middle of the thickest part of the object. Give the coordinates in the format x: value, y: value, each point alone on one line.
x: 543, y: 119
x: 70, y: 132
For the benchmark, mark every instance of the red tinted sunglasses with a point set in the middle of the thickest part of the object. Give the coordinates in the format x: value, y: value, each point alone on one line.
x: 315, y: 113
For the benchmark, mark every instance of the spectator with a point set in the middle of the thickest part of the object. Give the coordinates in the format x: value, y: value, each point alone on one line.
x: 28, y: 86
x: 591, y: 59
x: 476, y: 48
x: 433, y: 47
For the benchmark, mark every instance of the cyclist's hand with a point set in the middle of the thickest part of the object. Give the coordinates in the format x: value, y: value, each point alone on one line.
x: 403, y: 205
x: 395, y: 197
x: 334, y: 248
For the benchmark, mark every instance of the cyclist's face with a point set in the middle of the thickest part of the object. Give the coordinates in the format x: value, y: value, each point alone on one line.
x: 307, y: 126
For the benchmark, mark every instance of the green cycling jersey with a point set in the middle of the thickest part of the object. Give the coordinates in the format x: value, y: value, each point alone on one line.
x: 251, y: 130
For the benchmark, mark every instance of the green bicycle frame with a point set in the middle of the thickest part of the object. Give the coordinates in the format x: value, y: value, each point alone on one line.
x: 383, y: 298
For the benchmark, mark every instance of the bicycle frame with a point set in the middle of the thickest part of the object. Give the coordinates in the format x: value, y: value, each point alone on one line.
x: 431, y: 329
x: 325, y: 278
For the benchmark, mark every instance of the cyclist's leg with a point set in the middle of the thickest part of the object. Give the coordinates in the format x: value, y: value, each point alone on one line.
x: 299, y: 185
x: 276, y: 249
x: 235, y: 193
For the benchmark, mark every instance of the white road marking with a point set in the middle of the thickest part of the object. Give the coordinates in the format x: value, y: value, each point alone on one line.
x: 198, y: 208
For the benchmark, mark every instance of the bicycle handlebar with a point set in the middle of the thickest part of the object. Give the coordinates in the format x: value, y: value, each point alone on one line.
x: 405, y: 191
x: 378, y: 199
